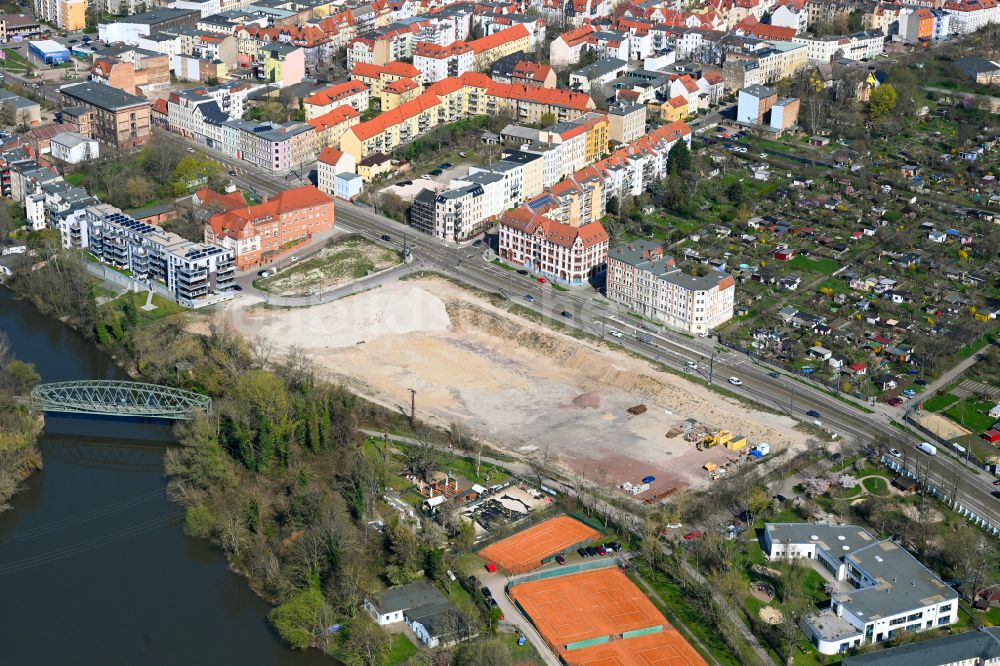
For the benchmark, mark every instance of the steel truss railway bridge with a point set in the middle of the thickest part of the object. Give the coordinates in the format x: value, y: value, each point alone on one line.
x: 118, y: 398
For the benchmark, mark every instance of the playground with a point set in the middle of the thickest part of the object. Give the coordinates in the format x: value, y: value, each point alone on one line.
x: 601, y: 617
x: 527, y: 550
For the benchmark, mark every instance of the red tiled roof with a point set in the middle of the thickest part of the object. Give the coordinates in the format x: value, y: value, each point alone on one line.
x: 333, y: 118
x: 497, y: 38
x: 232, y: 222
x: 383, y: 121
x: 557, y: 233
x: 677, y: 102
x: 400, y: 86
x: 432, y: 50
x: 330, y: 155
x: 335, y: 93
x: 577, y: 36
x: 533, y: 71
x: 224, y: 202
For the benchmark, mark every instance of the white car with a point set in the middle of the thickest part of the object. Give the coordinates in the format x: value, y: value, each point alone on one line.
x: 763, y: 156
x: 293, y: 259
x: 703, y: 334
x: 692, y: 365
x: 615, y: 334
x: 895, y: 452
x: 736, y: 381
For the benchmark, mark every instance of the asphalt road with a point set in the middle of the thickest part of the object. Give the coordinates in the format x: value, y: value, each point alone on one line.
x: 596, y: 315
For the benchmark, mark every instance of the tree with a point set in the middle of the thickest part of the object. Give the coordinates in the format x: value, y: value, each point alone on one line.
x: 366, y: 643
x: 8, y: 114
x: 298, y: 619
x: 679, y: 158
x: 192, y: 172
x: 735, y: 192
x: 882, y: 100
x: 547, y: 119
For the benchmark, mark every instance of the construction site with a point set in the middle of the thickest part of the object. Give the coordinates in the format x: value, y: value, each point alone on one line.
x: 593, y: 614
x: 526, y: 389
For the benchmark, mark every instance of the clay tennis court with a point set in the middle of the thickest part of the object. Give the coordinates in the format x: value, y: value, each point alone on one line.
x: 586, y: 605
x: 525, y: 551
x: 667, y: 648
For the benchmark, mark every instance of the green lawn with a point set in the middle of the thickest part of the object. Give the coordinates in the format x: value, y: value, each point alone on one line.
x: 834, y: 285
x: 939, y: 402
x: 973, y: 414
x: 164, y: 308
x: 77, y: 179
x: 876, y: 486
x: 400, y: 649
x: 339, y: 263
x: 466, y: 467
x: 816, y: 265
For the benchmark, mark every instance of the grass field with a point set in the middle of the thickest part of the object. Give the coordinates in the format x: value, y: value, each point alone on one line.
x: 816, y: 265
x: 939, y: 402
x: 973, y: 414
x: 876, y: 486
x: 400, y: 649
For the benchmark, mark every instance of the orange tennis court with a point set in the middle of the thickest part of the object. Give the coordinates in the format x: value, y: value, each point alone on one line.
x: 526, y: 551
x: 582, y: 606
x: 667, y: 648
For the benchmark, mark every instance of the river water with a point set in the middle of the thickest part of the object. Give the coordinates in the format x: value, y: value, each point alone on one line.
x: 94, y: 564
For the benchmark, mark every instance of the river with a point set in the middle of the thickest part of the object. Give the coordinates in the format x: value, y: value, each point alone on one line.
x: 94, y: 564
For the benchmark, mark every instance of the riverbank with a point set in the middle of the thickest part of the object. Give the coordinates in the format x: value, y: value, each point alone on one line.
x: 277, y: 477
x: 20, y: 427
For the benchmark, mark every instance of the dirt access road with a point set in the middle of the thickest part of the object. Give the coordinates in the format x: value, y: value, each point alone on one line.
x: 520, y: 385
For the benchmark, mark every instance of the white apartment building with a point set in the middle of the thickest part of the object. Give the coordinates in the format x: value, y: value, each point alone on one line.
x: 859, y: 46
x: 646, y: 281
x: 885, y: 591
x: 440, y: 62
x: 971, y: 15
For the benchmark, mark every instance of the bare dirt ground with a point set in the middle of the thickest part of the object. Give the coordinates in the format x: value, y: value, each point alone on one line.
x: 941, y: 425
x: 520, y: 385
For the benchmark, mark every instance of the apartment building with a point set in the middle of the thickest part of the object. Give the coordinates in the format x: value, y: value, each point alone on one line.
x: 645, y: 280
x: 968, y: 16
x: 454, y: 98
x: 330, y: 127
x: 884, y: 591
x: 377, y: 76
x: 567, y: 48
x: 258, y: 235
x: 487, y: 50
x: 64, y: 14
x: 118, y: 118
x: 330, y: 164
x: 194, y: 274
x: 859, y: 46
x: 354, y: 93
x: 563, y: 253
x: 437, y: 62
x: 626, y: 122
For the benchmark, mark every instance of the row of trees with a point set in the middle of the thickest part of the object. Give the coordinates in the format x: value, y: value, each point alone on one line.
x: 19, y: 426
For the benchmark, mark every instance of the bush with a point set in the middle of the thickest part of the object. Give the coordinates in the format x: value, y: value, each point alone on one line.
x: 199, y: 521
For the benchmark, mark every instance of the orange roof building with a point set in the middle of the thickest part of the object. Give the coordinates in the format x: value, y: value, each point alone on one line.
x: 262, y: 233
x: 354, y: 93
x: 554, y: 249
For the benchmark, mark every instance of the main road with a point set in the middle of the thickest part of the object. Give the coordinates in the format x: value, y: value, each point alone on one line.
x: 585, y: 309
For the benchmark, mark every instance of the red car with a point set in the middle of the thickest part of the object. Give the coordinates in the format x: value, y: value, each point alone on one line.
x: 997, y: 482
x: 560, y: 559
x: 895, y: 402
x: 692, y: 535
x: 601, y: 550
x: 542, y: 280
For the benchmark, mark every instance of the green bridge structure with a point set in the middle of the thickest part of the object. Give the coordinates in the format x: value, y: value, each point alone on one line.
x: 118, y: 398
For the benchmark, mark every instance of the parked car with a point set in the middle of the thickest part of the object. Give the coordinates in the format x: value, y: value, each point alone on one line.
x: 693, y: 534
x: 436, y: 172
x: 542, y: 280
x: 895, y: 402
x: 264, y: 273
x: 560, y: 559
x: 591, y: 551
x: 477, y: 242
x: 909, y: 393
x: 582, y: 552
x: 529, y: 298
x: 997, y: 482
x: 521, y: 271
x: 237, y: 287
x: 486, y: 592
x: 813, y: 413
x: 613, y: 547
x: 445, y: 165
x: 293, y: 259
x: 736, y: 381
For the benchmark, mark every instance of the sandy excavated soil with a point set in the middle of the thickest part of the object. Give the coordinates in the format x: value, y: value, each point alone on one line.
x: 520, y: 385
x: 941, y: 425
